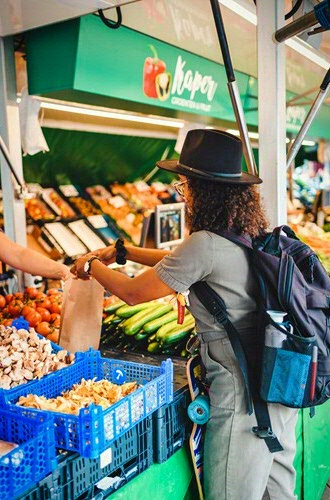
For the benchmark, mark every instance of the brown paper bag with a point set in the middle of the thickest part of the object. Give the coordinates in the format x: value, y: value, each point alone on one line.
x: 81, y: 316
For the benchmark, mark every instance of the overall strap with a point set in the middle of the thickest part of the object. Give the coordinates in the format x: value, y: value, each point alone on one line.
x: 217, y: 308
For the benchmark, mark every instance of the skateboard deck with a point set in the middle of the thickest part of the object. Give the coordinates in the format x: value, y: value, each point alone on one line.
x: 197, y: 433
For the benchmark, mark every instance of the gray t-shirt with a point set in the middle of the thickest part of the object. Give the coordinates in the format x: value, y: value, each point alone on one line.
x: 205, y: 256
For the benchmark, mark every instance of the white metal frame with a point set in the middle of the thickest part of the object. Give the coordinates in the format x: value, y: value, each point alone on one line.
x: 272, y: 111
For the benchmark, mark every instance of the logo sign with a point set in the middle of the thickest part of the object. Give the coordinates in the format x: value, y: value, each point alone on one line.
x: 185, y: 88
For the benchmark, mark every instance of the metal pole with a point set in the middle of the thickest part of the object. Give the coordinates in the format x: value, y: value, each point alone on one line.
x: 296, y: 27
x: 272, y: 111
x: 233, y: 89
x: 309, y: 119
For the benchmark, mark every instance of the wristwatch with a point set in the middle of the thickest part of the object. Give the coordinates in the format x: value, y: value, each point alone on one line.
x: 88, y: 263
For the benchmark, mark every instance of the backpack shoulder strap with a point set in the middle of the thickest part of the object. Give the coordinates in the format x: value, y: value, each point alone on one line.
x: 217, y: 308
x: 239, y: 239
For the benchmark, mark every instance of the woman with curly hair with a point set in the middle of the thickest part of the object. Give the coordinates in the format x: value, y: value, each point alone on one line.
x: 219, y: 196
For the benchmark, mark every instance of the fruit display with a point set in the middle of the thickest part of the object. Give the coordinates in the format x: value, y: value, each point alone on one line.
x: 25, y: 357
x: 139, y: 194
x: 119, y: 210
x: 37, y: 209
x: 58, y: 204
x: 147, y: 327
x: 317, y: 239
x: 84, y: 207
x: 42, y: 311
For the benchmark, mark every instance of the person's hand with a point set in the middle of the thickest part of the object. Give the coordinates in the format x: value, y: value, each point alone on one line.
x: 106, y: 255
x: 65, y: 273
x: 78, y: 268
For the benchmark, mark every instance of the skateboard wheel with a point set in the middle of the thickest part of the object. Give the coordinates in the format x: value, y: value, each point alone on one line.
x: 199, y: 410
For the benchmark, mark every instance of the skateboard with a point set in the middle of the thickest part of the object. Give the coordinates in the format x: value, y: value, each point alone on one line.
x: 198, y: 412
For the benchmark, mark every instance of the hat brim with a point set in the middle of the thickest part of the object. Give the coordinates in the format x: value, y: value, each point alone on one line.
x: 175, y: 167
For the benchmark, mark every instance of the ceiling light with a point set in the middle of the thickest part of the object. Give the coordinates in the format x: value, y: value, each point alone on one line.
x: 240, y: 10
x: 112, y: 115
x: 252, y: 135
x: 308, y: 143
x: 305, y: 50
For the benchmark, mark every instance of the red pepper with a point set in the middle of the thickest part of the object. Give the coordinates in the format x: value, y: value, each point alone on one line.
x: 152, y: 67
x: 181, y: 303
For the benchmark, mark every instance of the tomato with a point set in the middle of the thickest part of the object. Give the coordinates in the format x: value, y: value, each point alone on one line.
x: 53, y: 337
x: 15, y: 307
x: 8, y: 297
x: 53, y: 291
x: 55, y: 308
x: 33, y: 318
x: 45, y: 303
x: 27, y: 310
x: 40, y: 296
x: 45, y: 314
x: 18, y: 296
x: 55, y: 319
x: 43, y: 328
x: 31, y: 292
x: 7, y: 322
x: 2, y: 302
x: 55, y: 298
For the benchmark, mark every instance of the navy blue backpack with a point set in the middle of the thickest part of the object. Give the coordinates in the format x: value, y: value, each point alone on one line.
x: 294, y: 368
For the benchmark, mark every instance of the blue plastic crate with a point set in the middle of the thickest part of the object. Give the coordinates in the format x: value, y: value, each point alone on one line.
x: 33, y: 459
x: 94, y: 429
x: 77, y: 477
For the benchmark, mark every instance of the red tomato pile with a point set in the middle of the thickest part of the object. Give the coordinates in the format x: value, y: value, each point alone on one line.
x: 42, y: 311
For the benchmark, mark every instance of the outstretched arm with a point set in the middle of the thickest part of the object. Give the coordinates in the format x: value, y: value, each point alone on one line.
x: 145, y: 256
x: 30, y: 261
x: 147, y: 286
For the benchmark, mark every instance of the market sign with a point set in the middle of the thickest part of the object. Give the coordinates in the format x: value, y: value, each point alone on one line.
x: 84, y: 55
x: 85, y: 61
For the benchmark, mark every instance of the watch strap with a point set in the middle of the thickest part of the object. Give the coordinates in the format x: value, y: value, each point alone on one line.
x: 90, y: 262
x: 121, y: 251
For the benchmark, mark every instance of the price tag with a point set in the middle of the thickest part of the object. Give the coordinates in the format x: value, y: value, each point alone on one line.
x: 106, y: 458
x: 117, y: 201
x: 141, y: 186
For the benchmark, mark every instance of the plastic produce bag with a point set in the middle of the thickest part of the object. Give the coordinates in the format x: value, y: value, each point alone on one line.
x: 81, y: 317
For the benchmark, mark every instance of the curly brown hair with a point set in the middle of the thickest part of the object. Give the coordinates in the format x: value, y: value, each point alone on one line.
x: 217, y: 206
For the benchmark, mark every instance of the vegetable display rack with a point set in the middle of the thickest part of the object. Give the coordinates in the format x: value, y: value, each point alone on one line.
x: 94, y: 429
x: 33, y: 458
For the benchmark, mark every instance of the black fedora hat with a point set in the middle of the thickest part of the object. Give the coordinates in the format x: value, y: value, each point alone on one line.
x: 211, y: 155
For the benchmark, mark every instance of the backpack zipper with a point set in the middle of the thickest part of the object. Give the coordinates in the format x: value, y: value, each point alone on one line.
x: 288, y: 280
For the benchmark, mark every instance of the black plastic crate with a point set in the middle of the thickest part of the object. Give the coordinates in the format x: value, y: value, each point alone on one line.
x: 172, y: 426
x: 77, y: 477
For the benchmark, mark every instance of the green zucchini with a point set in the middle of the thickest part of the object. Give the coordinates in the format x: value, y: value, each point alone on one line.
x: 133, y: 327
x: 133, y: 319
x: 165, y: 329
x: 154, y: 325
x: 108, y: 319
x: 116, y: 320
x: 141, y: 335
x: 177, y: 334
x: 111, y: 308
x: 153, y: 347
x: 152, y: 338
x: 127, y: 311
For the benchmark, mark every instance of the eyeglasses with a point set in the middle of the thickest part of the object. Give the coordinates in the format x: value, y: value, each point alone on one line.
x: 179, y: 187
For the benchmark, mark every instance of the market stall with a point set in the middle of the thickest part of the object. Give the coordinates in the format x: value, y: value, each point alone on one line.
x: 88, y: 191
